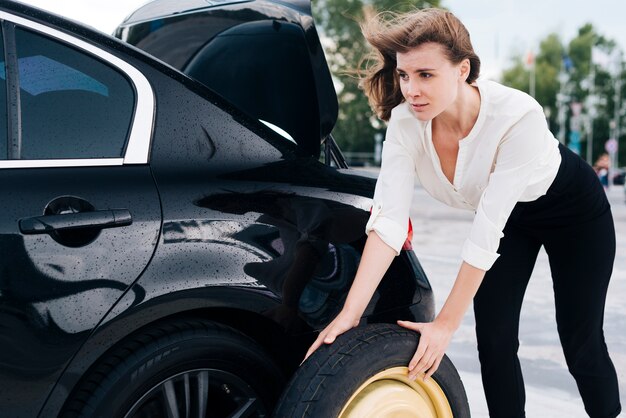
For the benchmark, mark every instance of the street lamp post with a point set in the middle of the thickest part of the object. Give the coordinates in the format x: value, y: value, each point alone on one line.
x: 591, y: 102
x: 562, y: 98
x: 378, y: 148
x: 617, y: 106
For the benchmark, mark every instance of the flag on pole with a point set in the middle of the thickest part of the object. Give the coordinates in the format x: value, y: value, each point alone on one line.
x: 568, y: 65
x: 529, y: 61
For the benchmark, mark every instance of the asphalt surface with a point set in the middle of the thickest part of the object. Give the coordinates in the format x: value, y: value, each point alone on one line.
x: 439, y: 233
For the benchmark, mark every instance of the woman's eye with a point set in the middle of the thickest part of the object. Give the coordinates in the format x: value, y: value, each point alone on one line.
x: 426, y: 75
x: 403, y: 76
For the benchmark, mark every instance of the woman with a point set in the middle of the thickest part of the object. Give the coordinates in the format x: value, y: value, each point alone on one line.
x: 477, y: 145
x: 601, y: 167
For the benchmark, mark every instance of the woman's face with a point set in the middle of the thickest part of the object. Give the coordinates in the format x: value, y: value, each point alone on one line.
x: 428, y: 80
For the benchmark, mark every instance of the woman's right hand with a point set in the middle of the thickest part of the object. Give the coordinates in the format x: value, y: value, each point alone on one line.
x: 342, y: 323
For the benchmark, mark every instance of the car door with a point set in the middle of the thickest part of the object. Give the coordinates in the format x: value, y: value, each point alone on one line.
x: 80, y: 214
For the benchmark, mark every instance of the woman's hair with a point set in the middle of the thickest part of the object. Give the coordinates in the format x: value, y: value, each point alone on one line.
x: 401, y: 33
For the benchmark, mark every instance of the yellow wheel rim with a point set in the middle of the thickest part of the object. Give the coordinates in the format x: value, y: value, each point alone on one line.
x: 390, y: 394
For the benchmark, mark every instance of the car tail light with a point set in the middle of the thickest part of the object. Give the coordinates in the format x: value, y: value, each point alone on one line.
x: 408, y: 246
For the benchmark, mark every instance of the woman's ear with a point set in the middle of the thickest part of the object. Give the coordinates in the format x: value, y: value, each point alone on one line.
x: 464, y: 69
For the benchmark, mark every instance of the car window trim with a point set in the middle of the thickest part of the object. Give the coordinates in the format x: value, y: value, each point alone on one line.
x: 138, y: 145
x: 70, y: 162
x: 14, y: 122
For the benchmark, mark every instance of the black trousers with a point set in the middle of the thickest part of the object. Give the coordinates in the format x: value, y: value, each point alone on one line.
x: 573, y: 222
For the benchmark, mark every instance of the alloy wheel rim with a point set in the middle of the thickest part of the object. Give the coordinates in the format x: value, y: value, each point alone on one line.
x: 193, y: 393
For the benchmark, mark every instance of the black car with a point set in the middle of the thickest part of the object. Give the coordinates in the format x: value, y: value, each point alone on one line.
x: 169, y: 246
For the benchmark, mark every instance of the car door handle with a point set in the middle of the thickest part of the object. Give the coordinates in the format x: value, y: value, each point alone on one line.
x: 99, y: 219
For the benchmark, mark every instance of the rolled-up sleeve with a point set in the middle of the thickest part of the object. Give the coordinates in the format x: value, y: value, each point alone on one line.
x: 516, y: 159
x: 393, y: 194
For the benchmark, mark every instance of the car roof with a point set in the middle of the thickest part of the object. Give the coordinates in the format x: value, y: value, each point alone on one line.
x: 167, y: 8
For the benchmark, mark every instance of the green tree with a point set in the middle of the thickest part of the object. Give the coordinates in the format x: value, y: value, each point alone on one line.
x: 345, y: 48
x: 549, y: 66
x: 599, y: 82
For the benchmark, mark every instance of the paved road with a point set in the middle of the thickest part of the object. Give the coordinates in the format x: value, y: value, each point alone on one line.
x: 439, y: 233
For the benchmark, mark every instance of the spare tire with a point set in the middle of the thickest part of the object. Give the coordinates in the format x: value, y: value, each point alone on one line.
x: 364, y: 374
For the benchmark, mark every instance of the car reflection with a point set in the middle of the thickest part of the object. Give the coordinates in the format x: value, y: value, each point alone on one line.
x: 33, y: 308
x: 310, y: 247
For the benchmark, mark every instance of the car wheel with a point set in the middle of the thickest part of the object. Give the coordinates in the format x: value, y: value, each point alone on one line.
x: 181, y: 368
x: 363, y: 374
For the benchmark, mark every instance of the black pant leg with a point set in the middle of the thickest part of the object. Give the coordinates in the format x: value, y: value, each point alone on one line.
x: 581, y: 260
x: 497, y: 306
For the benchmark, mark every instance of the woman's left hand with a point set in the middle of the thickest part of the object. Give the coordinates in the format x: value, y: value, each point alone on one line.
x: 434, y: 340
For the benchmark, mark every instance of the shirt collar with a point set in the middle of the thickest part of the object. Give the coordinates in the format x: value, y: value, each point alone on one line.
x: 402, y: 111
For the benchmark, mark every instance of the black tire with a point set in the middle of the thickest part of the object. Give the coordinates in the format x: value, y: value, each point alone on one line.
x: 190, y: 365
x: 329, y: 380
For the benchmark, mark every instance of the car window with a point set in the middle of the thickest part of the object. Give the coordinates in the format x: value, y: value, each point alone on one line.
x: 72, y: 104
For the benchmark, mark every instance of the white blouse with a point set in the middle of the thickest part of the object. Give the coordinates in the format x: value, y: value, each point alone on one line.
x: 509, y: 156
